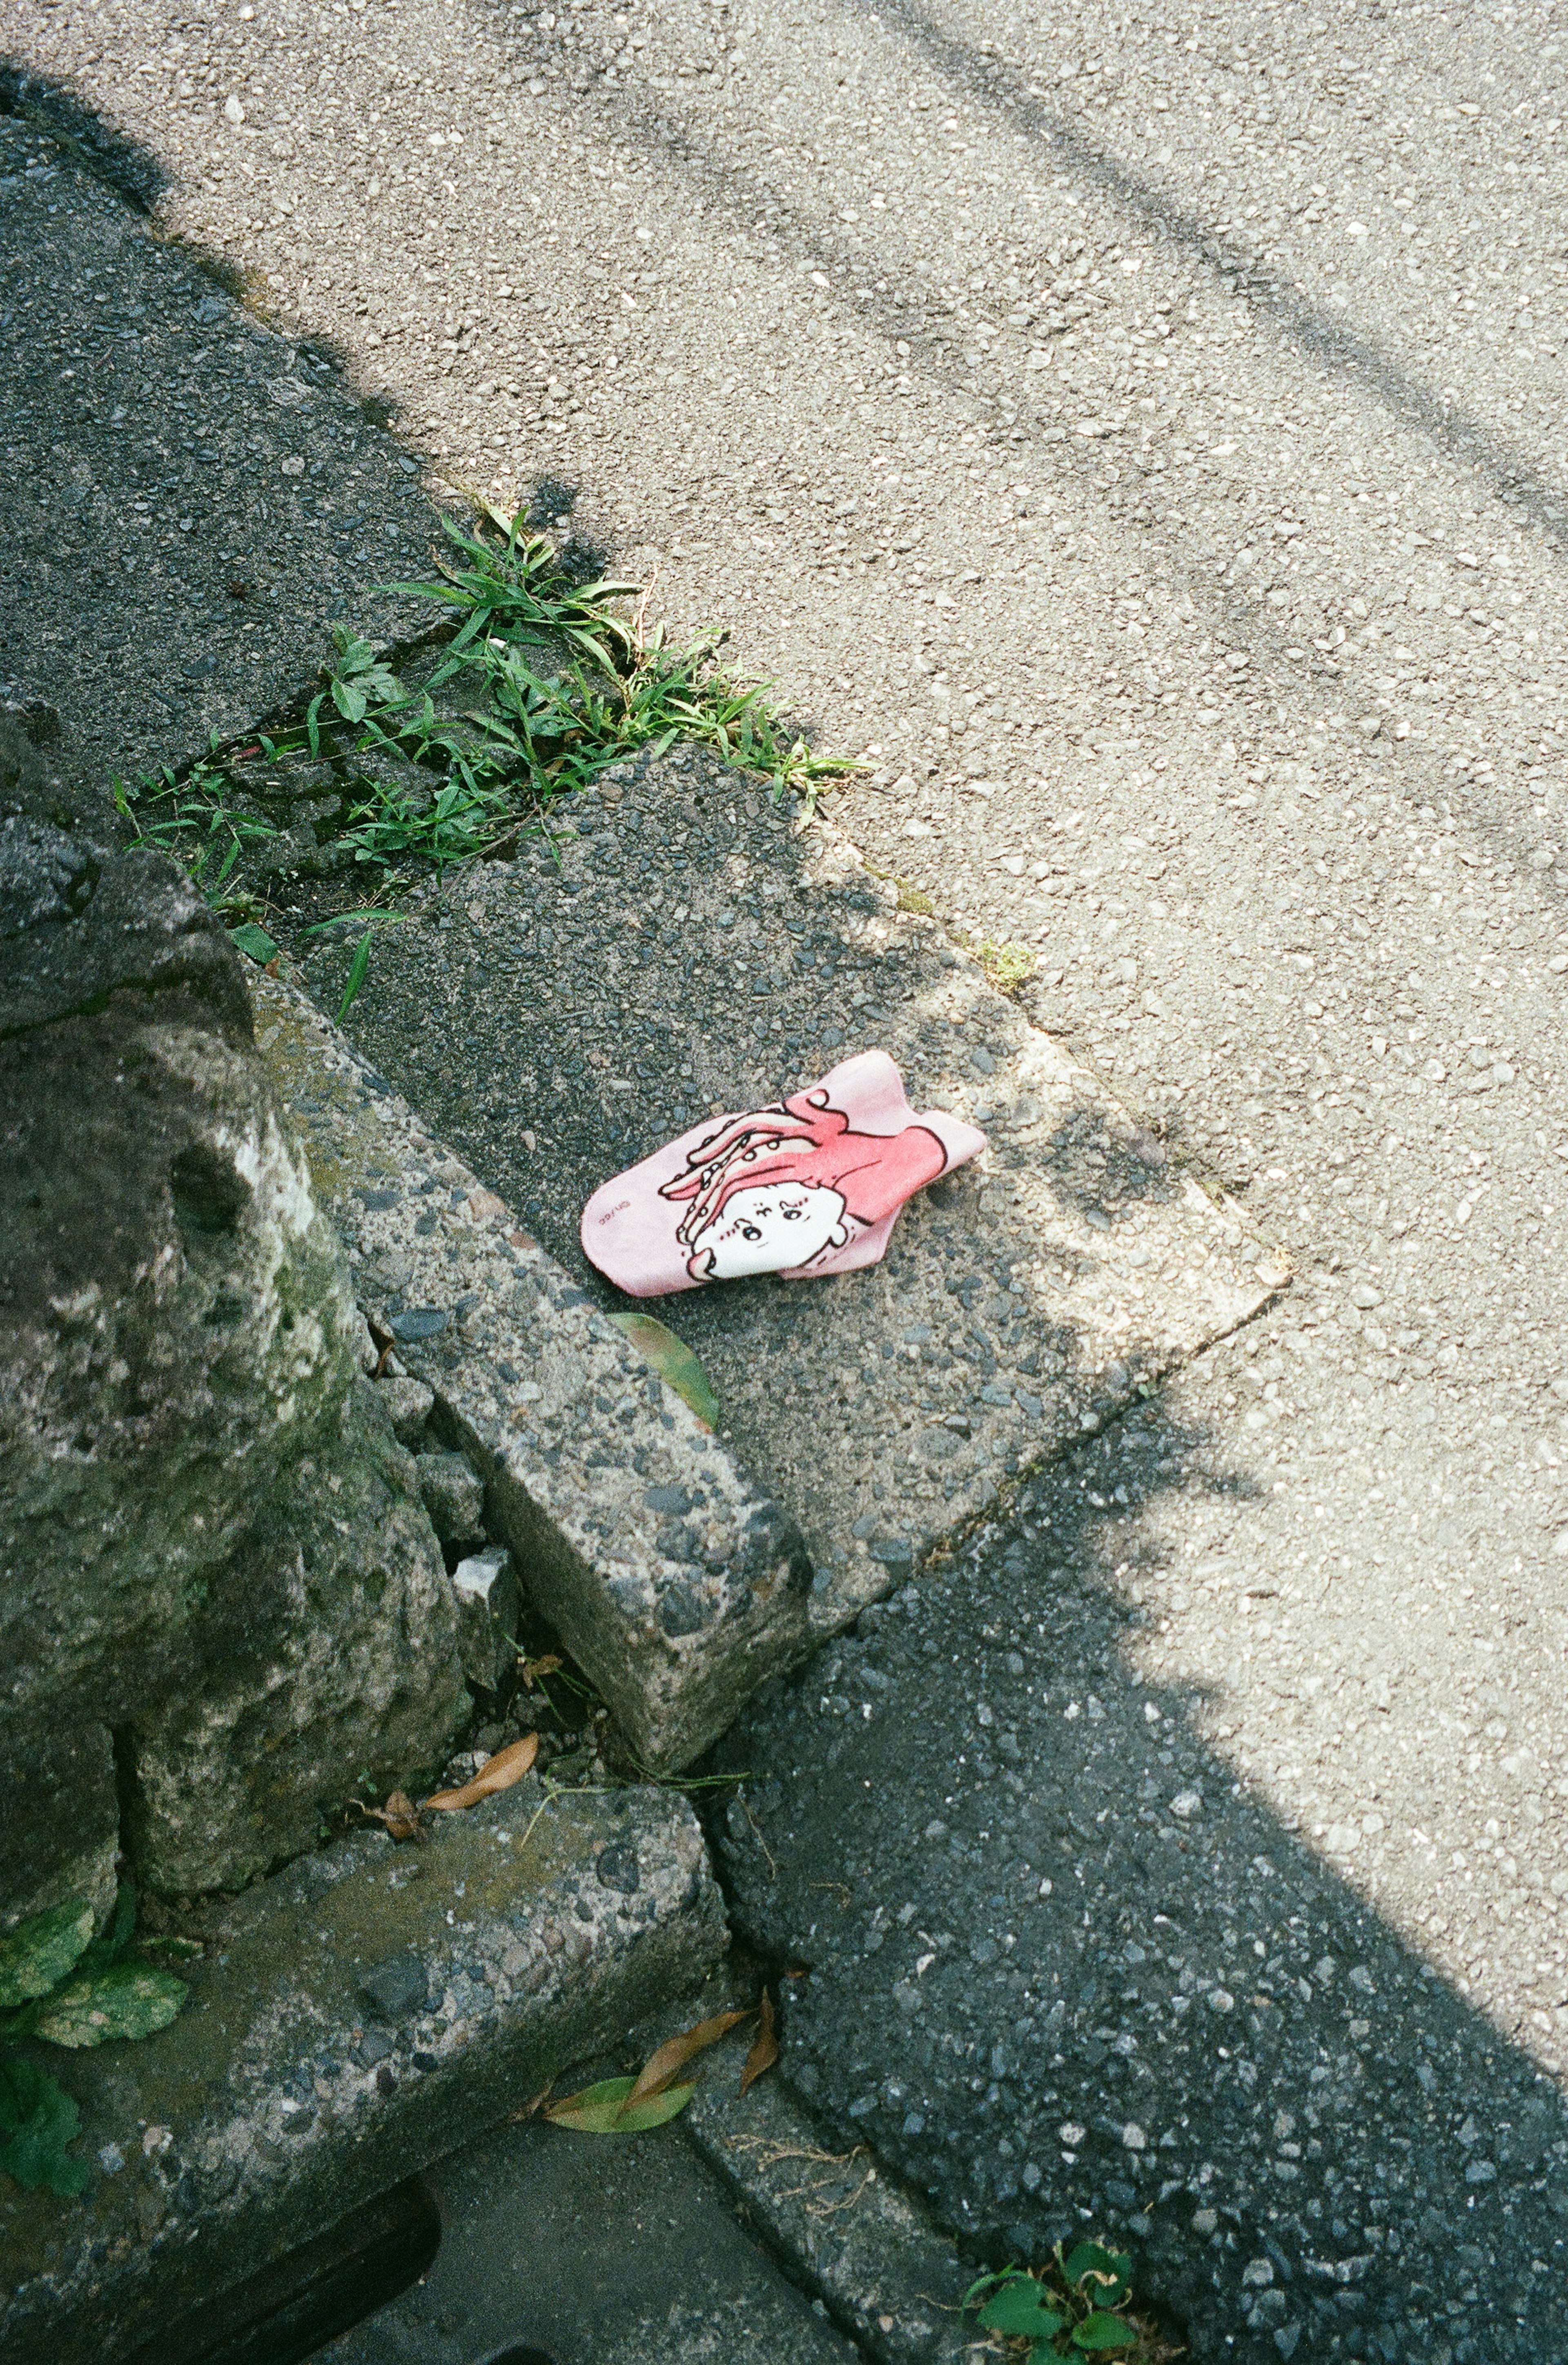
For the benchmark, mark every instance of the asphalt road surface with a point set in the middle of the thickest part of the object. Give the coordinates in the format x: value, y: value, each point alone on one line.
x: 1142, y: 437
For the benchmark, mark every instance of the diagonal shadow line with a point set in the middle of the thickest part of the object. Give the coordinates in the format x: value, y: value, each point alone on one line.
x: 1095, y: 2030
x: 748, y: 200
x: 127, y: 164
x: 1004, y: 90
x: 56, y: 110
x: 731, y: 188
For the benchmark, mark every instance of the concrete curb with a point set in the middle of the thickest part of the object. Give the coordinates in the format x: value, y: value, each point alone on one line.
x: 846, y: 2225
x: 684, y: 945
x: 364, y: 2011
x: 676, y: 1582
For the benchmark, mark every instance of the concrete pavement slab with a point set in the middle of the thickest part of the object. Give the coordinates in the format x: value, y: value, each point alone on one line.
x: 847, y: 2228
x: 678, y: 948
x: 581, y: 2250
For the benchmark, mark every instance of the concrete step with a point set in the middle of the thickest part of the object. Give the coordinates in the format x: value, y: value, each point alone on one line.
x: 679, y: 946
x: 354, y: 2018
x: 674, y: 1579
x: 575, y: 2249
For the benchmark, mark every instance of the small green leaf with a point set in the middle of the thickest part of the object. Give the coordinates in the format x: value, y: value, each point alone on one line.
x: 253, y: 941
x: 39, y: 1953
x: 357, y: 969
x: 1103, y: 2332
x: 110, y: 1947
x: 129, y: 2000
x: 1018, y: 2308
x: 601, y: 2110
x: 1109, y: 2270
x: 38, y: 2119
x: 674, y: 1361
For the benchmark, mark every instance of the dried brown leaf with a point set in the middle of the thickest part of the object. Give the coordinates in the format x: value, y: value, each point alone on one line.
x: 763, y: 2044
x: 498, y: 1773
x: 664, y: 2065
x: 400, y: 1817
x: 531, y: 1670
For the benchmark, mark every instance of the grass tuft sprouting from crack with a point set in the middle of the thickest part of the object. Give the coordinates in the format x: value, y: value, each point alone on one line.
x: 536, y: 684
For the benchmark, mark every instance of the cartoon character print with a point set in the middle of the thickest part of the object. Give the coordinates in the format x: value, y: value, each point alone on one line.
x: 783, y: 1189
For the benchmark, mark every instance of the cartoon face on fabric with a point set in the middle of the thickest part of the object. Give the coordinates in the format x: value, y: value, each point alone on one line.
x: 769, y: 1229
x: 810, y: 1185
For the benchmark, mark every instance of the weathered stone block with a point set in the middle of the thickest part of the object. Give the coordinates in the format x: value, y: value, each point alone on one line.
x: 174, y: 1332
x: 675, y: 1581
x: 454, y: 1498
x: 329, y: 1643
x: 489, y: 1610
x: 59, y: 1827
x: 178, y: 1353
x: 409, y: 1402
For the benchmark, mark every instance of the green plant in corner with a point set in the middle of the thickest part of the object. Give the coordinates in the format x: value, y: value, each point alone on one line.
x: 60, y: 1983
x: 1007, y: 966
x: 186, y: 817
x: 1077, y: 2305
x: 359, y: 676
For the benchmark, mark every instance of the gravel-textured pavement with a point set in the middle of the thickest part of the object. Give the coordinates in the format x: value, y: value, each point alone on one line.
x: 190, y: 499
x: 1143, y: 438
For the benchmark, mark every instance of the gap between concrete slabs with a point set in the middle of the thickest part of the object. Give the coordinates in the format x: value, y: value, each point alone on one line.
x: 678, y: 946
x: 361, y: 2015
x: 576, y: 2250
x: 560, y: 2244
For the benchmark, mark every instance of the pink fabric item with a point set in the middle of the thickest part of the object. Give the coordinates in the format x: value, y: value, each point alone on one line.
x: 807, y: 1186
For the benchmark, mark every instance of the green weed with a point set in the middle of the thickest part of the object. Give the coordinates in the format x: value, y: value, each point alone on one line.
x: 187, y: 815
x: 60, y: 1983
x: 1007, y: 966
x: 538, y: 685
x: 1078, y: 2304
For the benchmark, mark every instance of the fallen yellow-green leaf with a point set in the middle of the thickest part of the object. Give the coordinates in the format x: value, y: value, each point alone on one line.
x: 607, y: 2109
x: 674, y: 1361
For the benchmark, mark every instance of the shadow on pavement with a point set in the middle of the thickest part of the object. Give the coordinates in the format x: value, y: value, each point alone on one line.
x: 1512, y: 477
x: 1067, y: 1972
x: 1195, y: 2033
x: 928, y: 329
x: 1005, y: 91
x: 684, y: 952
x: 193, y: 499
x: 108, y: 153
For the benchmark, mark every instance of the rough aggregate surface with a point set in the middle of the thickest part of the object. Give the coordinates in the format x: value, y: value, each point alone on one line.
x: 1141, y: 438
x: 1067, y: 1973
x: 354, y: 2018
x: 678, y: 946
